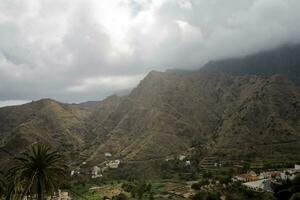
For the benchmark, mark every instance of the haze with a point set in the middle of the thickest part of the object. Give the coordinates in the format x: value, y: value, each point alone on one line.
x: 79, y: 50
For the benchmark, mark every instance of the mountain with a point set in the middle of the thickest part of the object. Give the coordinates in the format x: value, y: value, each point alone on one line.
x: 235, y: 115
x: 237, y: 109
x: 66, y: 127
x: 285, y: 61
x: 44, y: 120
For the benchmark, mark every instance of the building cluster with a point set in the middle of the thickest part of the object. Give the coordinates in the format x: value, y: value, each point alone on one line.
x: 97, y: 171
x: 112, y: 164
x: 61, y: 195
x: 182, y: 158
x: 264, y: 180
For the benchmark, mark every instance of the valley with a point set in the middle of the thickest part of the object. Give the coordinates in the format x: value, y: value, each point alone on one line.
x: 173, y: 130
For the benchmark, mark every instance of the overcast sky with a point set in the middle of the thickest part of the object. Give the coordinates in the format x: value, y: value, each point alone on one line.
x: 78, y: 50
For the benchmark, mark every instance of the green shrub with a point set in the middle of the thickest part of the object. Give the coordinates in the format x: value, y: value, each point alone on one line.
x: 295, y: 196
x: 196, y: 186
x: 206, y: 196
x: 121, y: 196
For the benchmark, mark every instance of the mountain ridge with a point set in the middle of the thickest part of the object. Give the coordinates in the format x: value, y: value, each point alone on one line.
x: 237, y: 115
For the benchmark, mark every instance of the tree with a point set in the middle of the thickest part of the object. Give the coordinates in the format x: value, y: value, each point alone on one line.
x: 121, y: 196
x: 137, y: 189
x: 38, y: 171
x: 141, y: 189
x: 151, y: 197
x: 225, y: 179
x: 196, y: 186
x: 207, y: 174
x: 295, y: 196
x: 206, y: 196
x: 2, y: 184
x: 296, y: 180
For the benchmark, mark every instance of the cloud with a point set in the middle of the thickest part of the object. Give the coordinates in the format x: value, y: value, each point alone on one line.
x: 87, y: 49
x: 12, y: 102
x: 113, y: 83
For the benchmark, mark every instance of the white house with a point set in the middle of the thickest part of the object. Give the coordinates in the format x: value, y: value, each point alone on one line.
x: 72, y: 173
x: 238, y: 178
x: 60, y: 196
x: 113, y: 164
x: 285, y: 175
x: 96, y: 172
x: 107, y: 154
x: 264, y: 184
x: 63, y: 195
x: 181, y: 157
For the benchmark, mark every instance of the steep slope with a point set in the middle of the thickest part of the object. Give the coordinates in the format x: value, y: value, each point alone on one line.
x: 167, y: 113
x: 95, y: 123
x: 263, y: 122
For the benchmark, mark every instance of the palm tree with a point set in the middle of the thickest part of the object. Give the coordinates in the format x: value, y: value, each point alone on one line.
x: 38, y: 171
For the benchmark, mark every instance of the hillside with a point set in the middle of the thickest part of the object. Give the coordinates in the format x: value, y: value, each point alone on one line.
x: 224, y: 111
x: 66, y: 127
x: 232, y: 115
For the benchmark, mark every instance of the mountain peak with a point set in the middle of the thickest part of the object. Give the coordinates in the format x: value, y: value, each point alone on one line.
x: 47, y: 100
x: 154, y: 74
x: 283, y: 61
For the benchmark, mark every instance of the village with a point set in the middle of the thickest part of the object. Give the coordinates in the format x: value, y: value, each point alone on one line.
x: 97, y: 170
x: 265, y: 180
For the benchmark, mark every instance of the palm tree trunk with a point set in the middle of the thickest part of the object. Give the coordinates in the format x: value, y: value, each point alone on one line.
x: 39, y: 191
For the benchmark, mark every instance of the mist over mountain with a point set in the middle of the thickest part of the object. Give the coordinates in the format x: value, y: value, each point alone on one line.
x: 89, y: 49
x: 149, y: 99
x: 244, y: 108
x: 283, y: 61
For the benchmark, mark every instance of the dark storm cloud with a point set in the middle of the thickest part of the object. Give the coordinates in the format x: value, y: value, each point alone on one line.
x: 87, y: 49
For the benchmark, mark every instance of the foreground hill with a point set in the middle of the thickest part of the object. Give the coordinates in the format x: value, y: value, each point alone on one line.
x: 45, y: 120
x: 66, y: 127
x: 221, y: 110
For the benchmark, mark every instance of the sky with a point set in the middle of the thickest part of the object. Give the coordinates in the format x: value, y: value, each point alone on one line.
x: 79, y: 50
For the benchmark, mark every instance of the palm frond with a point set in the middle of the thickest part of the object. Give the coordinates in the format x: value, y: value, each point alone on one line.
x: 38, y: 171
